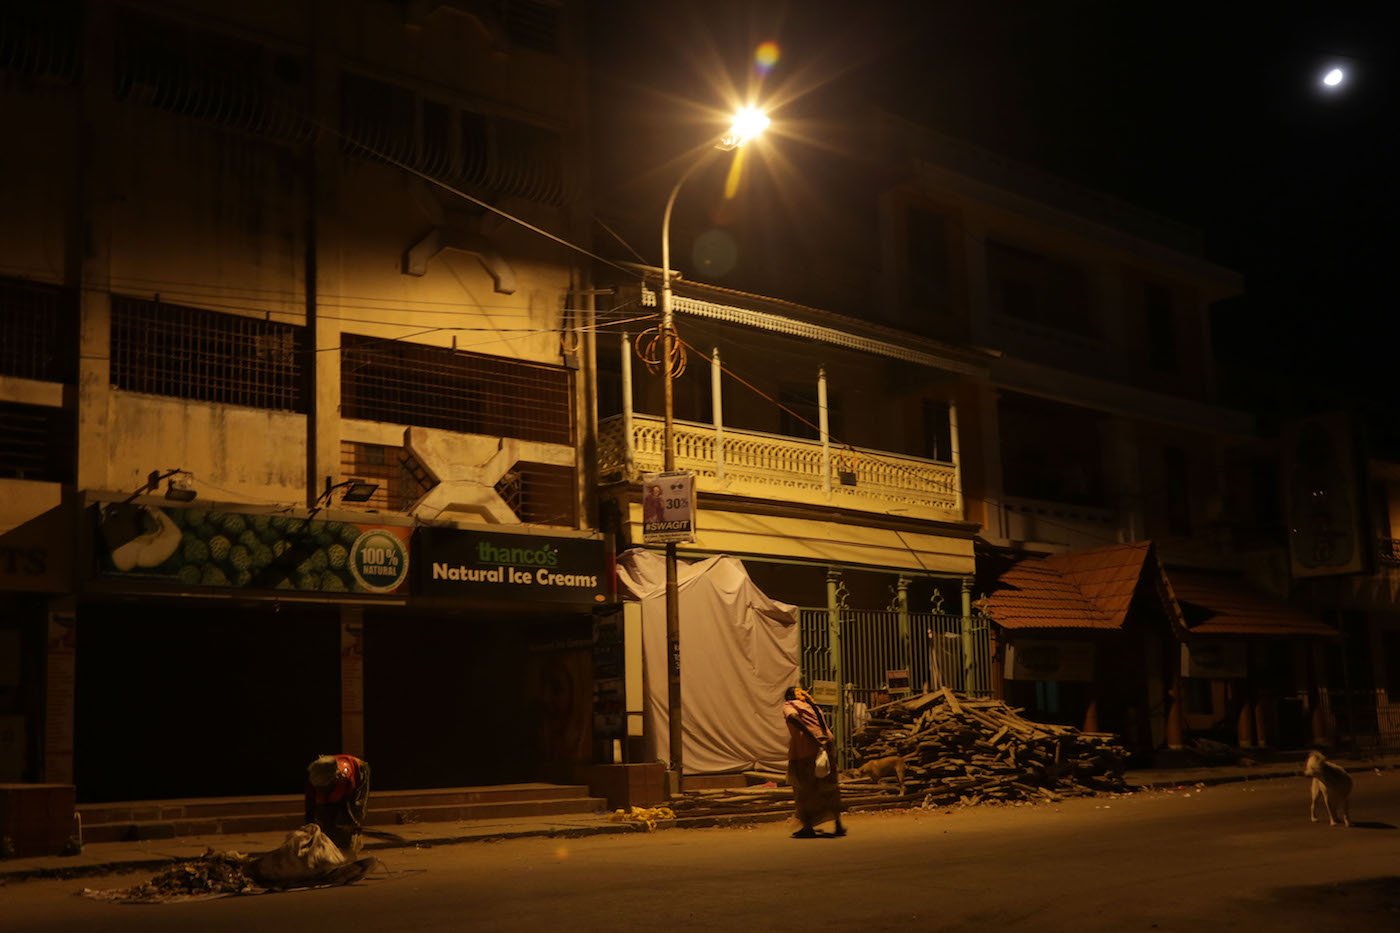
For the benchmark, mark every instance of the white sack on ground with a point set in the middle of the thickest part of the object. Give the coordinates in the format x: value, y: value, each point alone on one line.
x: 739, y: 652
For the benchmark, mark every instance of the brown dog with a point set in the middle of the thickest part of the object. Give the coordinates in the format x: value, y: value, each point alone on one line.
x: 878, y: 768
x: 1333, y: 785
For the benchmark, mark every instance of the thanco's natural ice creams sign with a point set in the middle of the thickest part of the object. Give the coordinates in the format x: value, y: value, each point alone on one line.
x: 518, y: 567
x: 198, y: 547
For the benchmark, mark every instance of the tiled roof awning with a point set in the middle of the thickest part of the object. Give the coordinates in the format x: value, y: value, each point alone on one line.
x: 1212, y: 604
x: 1094, y: 589
x: 1080, y: 590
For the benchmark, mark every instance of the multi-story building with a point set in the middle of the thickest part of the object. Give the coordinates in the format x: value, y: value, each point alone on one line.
x: 253, y: 253
x: 1044, y: 349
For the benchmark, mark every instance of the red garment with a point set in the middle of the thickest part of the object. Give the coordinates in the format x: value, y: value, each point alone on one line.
x: 348, y: 778
x: 806, y: 729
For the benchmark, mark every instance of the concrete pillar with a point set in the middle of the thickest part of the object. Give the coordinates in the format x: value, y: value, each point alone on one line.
x: 88, y: 246
x: 352, y: 681
x: 1091, y: 711
x: 969, y: 668
x: 1176, y: 714
x: 60, y: 697
x: 1262, y: 734
x: 1244, y: 716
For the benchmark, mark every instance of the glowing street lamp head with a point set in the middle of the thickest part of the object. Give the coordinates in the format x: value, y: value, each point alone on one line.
x: 1334, y: 77
x: 748, y: 123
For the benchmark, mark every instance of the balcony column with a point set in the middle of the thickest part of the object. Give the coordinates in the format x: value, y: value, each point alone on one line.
x: 717, y: 404
x: 956, y: 454
x: 629, y: 451
x: 969, y: 669
x: 901, y: 602
x: 823, y: 429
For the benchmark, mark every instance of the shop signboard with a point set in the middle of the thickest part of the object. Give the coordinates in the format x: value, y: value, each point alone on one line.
x: 668, y: 507
x: 200, y: 547
x: 1071, y: 661
x: 518, y: 568
x: 1225, y: 660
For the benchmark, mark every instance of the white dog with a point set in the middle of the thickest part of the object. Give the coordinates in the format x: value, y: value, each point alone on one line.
x: 1333, y: 785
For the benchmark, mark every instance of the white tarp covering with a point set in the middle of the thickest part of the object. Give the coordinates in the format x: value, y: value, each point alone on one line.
x: 739, y: 652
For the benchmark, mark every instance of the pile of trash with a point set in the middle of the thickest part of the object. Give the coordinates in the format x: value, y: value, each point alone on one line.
x: 644, y: 816
x: 305, y: 859
x: 214, y: 874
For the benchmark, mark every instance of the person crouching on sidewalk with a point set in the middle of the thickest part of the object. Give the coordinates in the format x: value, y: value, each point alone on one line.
x: 337, y: 796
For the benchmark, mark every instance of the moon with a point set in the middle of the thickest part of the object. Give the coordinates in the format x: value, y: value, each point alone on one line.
x: 1333, y: 77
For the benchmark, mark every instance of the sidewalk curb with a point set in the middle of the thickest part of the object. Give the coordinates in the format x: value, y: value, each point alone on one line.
x: 122, y: 866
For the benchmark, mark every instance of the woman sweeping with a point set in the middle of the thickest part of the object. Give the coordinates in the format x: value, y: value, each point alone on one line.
x: 818, y: 798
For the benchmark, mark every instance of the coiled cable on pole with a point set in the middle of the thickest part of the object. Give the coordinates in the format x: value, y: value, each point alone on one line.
x: 650, y: 349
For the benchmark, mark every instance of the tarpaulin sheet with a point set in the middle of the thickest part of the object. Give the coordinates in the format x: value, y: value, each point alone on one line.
x: 739, y: 652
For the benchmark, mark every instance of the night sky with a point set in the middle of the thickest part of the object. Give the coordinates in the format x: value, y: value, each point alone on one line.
x: 1209, y: 113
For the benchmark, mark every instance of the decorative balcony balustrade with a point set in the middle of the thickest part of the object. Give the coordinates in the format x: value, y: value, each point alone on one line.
x: 1062, y: 523
x: 786, y: 469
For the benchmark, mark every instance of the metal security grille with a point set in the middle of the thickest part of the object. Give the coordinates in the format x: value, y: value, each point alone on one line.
x: 36, y: 443
x: 934, y: 650
x: 402, y: 479
x: 210, y: 76
x: 38, y: 331
x: 434, y: 387
x: 203, y: 355
x: 40, y: 40
x: 540, y: 493
x: 530, y: 23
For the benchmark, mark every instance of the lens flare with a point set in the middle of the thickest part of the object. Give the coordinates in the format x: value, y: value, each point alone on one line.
x: 766, y: 56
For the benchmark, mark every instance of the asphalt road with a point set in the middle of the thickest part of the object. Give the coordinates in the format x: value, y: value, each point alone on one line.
x: 1233, y: 857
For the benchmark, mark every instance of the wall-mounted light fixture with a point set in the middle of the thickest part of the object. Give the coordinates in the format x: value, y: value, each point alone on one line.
x: 356, y: 490
x: 180, y: 487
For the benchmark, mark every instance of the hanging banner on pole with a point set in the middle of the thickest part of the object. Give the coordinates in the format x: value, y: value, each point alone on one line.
x: 668, y: 507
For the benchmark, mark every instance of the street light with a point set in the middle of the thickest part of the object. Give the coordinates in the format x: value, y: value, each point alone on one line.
x: 748, y: 123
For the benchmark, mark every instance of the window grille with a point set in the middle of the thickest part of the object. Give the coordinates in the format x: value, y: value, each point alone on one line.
x: 385, y: 122
x: 211, y: 77
x: 41, y: 40
x: 530, y: 161
x: 540, y: 493
x: 36, y: 443
x: 402, y: 479
x: 434, y: 387
x: 530, y: 24
x: 376, y: 120
x: 166, y: 349
x: 38, y: 331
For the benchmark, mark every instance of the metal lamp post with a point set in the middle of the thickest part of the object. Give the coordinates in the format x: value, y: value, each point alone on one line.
x: 748, y: 123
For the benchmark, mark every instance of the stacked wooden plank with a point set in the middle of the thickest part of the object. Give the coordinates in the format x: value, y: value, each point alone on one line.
x: 960, y: 749
x: 956, y: 750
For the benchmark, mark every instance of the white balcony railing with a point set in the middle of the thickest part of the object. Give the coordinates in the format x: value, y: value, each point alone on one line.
x: 785, y: 469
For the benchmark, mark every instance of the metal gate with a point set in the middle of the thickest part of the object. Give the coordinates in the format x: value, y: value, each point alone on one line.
x: 883, y: 655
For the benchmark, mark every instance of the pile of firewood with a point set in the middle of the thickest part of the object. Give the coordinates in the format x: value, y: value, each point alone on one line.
x: 955, y: 750
x: 964, y: 750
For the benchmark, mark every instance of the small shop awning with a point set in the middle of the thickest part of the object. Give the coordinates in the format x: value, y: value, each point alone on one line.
x: 1078, y: 590
x: 1214, y: 604
x: 1094, y: 589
